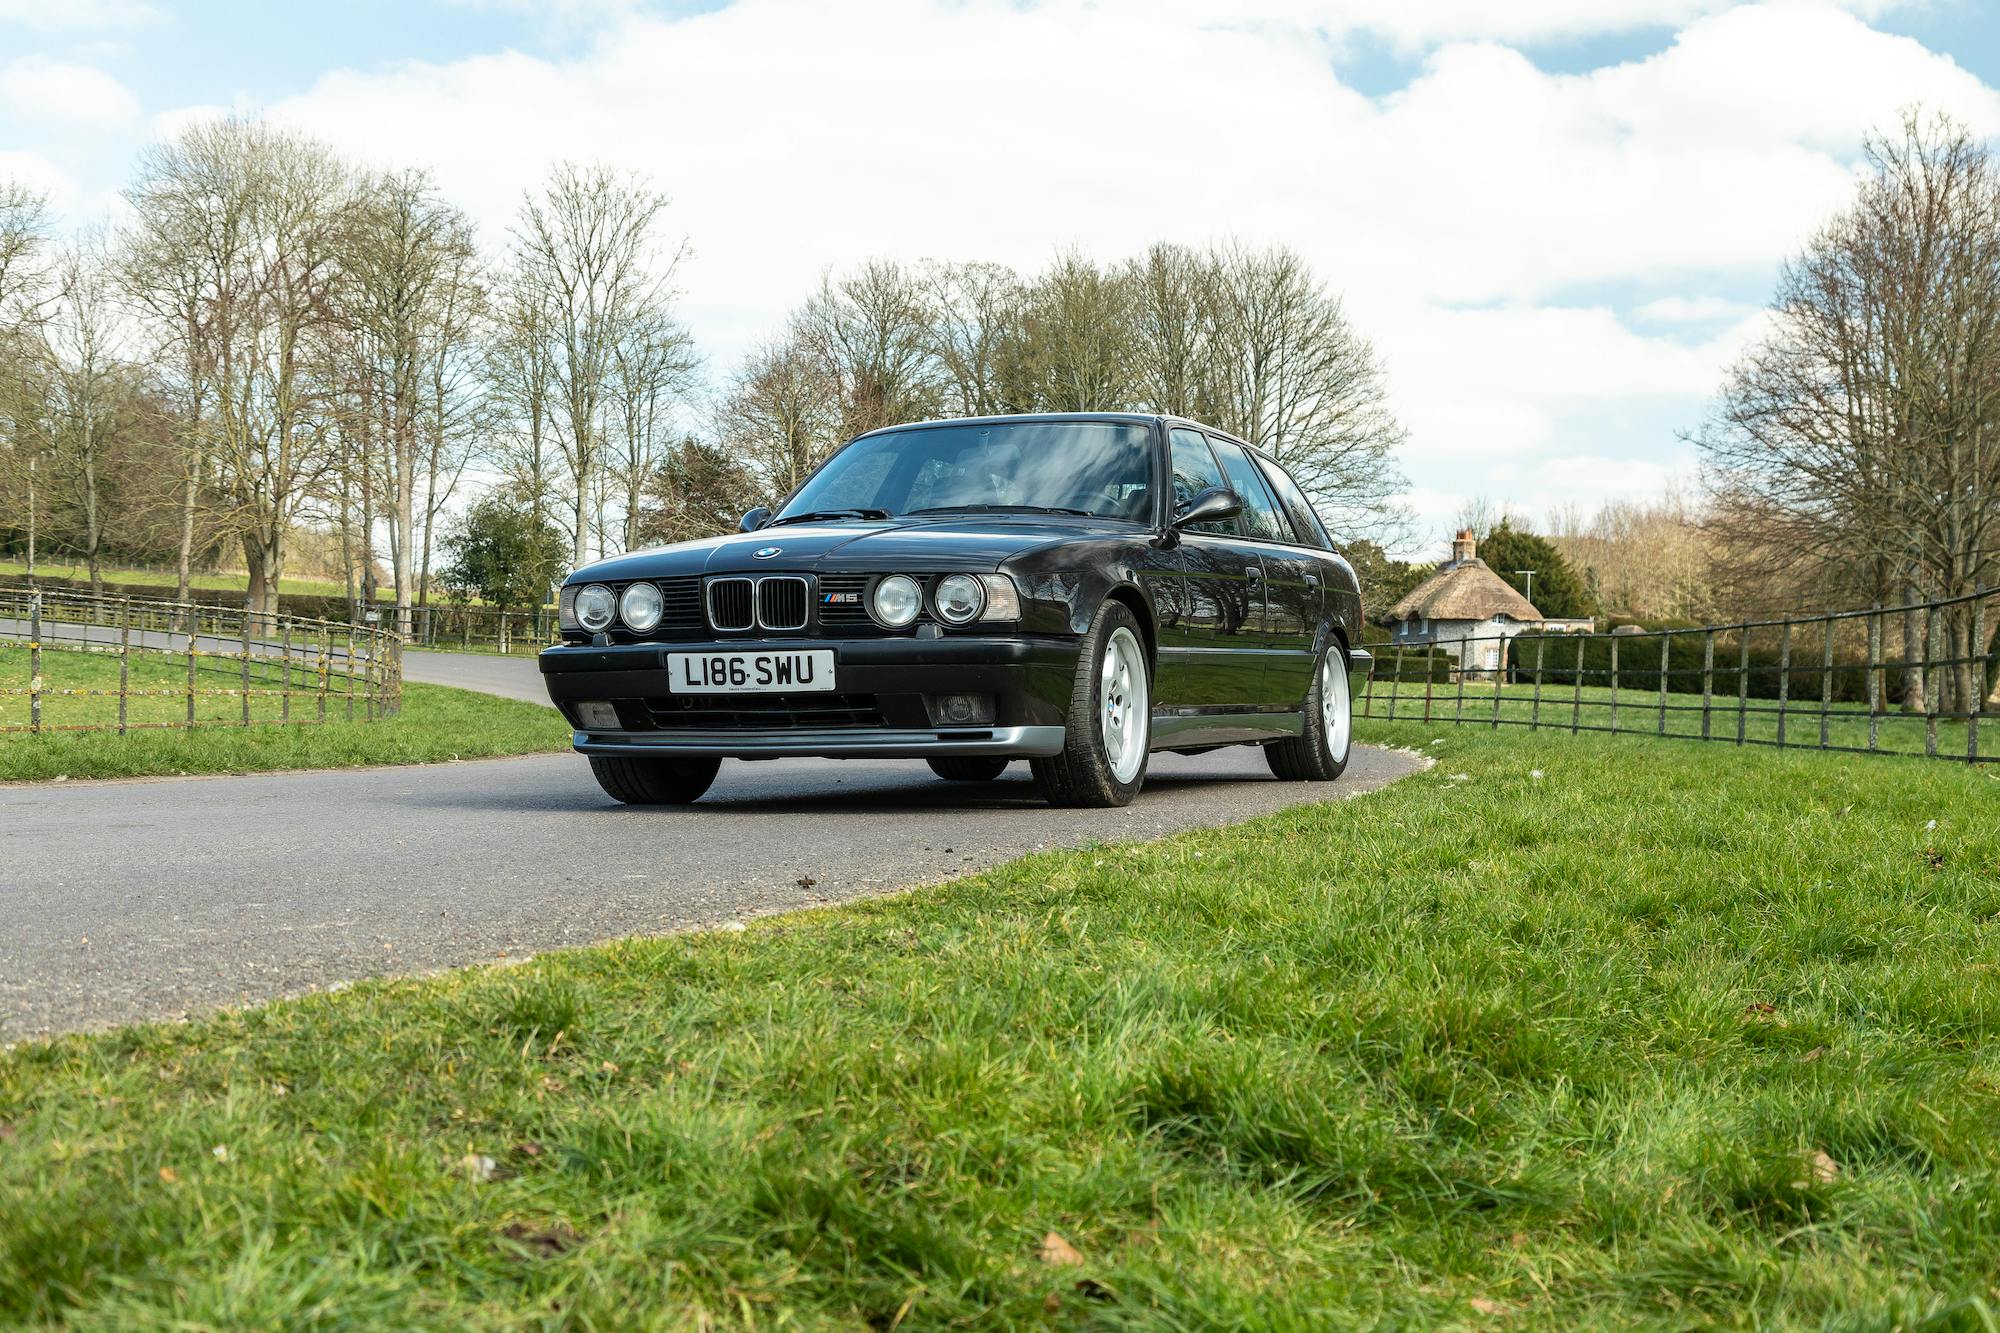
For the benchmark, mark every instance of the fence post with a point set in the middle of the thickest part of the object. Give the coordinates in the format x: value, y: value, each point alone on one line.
x: 1825, y: 678
x: 1459, y: 709
x: 1784, y: 678
x: 1977, y: 704
x: 1666, y: 642
x: 1876, y: 672
x: 325, y: 656
x: 1535, y: 713
x: 1576, y: 691
x: 1930, y: 681
x: 192, y: 629
x: 465, y: 629
x: 1707, y: 681
x: 1742, y: 680
x: 1430, y: 670
x: 285, y: 676
x: 1614, y: 684
x: 246, y: 668
x: 1395, y: 684
x: 124, y: 662
x: 347, y: 669
x: 34, y: 661
x: 1503, y: 645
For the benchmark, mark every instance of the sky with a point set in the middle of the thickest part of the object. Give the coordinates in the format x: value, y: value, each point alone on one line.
x: 1558, y: 221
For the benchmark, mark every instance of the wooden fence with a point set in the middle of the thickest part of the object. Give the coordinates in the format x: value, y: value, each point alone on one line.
x: 71, y: 662
x: 1918, y: 679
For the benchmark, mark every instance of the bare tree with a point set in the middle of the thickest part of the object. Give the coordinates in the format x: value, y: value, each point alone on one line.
x: 589, y: 264
x: 871, y: 333
x: 91, y: 395
x: 654, y: 363
x: 970, y: 312
x: 410, y: 291
x: 1859, y: 436
x: 782, y: 417
x: 1074, y: 349
x: 24, y: 383
x: 1293, y: 376
x: 1177, y: 309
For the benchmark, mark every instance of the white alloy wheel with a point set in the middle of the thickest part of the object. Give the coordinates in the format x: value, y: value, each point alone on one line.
x: 1337, y: 714
x: 1123, y: 705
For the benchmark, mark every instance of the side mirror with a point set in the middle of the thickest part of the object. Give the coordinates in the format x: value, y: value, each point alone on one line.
x: 756, y: 519
x: 1214, y: 505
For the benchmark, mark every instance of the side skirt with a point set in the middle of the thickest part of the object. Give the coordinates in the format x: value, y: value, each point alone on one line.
x: 1181, y: 730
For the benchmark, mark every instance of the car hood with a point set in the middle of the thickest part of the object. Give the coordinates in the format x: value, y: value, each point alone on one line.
x: 972, y: 542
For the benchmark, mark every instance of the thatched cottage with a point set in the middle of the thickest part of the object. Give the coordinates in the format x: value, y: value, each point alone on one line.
x: 1467, y: 606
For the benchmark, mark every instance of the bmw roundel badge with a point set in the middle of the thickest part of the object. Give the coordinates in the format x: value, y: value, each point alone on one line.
x: 765, y: 552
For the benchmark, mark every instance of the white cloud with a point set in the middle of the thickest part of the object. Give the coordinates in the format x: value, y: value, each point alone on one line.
x: 41, y: 175
x: 36, y: 88
x: 1473, y: 219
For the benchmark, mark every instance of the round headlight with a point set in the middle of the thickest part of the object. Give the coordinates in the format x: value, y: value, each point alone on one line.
x: 594, y: 606
x: 897, y: 600
x: 960, y: 599
x: 640, y: 607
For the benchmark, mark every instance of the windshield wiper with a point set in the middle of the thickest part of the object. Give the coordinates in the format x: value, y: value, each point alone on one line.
x: 819, y: 515
x: 1005, y: 509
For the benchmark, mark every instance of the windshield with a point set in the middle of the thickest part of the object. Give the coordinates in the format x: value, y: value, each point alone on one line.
x: 1099, y: 468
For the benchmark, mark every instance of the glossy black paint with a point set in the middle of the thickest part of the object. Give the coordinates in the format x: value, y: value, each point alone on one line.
x: 1235, y: 623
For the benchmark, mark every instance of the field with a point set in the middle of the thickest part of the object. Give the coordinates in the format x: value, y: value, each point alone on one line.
x: 1599, y: 708
x: 1564, y: 1032
x: 114, y: 579
x: 435, y: 722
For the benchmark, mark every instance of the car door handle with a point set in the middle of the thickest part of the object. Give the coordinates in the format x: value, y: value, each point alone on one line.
x: 1312, y: 580
x: 1254, y: 573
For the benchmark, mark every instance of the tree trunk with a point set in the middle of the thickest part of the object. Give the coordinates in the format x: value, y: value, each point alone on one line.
x: 184, y: 554
x: 93, y: 538
x: 582, y: 535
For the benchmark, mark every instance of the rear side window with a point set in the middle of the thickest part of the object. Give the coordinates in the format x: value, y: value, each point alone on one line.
x: 1194, y: 472
x: 1305, y: 519
x: 1260, y: 517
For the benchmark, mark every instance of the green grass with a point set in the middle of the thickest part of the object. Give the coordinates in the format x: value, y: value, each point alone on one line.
x: 436, y: 722
x: 1563, y: 1033
x: 1639, y: 711
x: 153, y: 578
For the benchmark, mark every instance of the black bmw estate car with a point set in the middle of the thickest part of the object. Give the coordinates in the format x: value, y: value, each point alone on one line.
x: 1075, y: 590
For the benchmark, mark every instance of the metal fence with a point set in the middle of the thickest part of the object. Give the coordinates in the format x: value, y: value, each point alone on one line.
x: 1917, y: 679
x: 479, y: 628
x: 72, y: 662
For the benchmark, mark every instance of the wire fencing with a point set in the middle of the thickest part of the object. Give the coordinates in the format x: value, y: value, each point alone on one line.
x: 1918, y: 679
x: 70, y: 662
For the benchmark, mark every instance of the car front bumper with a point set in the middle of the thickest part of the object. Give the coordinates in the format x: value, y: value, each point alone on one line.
x: 878, y: 709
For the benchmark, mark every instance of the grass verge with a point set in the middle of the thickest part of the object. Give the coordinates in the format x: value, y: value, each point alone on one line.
x: 436, y: 723
x: 1565, y: 1032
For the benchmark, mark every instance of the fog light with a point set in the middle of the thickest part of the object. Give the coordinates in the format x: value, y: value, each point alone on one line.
x: 597, y: 715
x: 961, y: 710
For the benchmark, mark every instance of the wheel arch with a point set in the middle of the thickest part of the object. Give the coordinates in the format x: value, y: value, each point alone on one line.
x: 1135, y: 602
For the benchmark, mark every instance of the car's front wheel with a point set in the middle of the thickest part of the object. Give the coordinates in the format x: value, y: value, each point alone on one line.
x: 1319, y: 753
x: 641, y: 780
x: 968, y: 768
x: 1103, y: 759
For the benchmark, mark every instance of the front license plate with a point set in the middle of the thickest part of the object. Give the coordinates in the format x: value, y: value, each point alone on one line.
x: 750, y: 673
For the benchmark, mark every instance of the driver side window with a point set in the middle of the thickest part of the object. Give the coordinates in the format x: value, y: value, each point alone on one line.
x: 1195, y: 471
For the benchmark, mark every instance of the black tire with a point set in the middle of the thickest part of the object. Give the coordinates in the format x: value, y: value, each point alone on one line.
x: 968, y: 768
x: 1083, y: 775
x: 1316, y: 754
x: 645, y: 781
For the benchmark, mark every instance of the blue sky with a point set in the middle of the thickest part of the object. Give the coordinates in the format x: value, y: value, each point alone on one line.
x: 1556, y: 218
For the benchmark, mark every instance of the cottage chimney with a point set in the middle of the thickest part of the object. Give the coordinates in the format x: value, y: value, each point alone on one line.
x: 1463, y: 547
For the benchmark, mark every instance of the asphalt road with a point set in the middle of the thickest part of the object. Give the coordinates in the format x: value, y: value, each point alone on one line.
x: 154, y: 899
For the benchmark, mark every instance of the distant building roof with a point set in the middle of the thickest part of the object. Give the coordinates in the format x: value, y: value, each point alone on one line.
x: 1464, y: 589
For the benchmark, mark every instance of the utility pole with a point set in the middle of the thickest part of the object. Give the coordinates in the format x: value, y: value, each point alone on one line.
x: 1529, y: 575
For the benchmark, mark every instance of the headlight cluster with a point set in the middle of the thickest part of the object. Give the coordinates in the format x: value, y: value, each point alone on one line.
x: 958, y: 599
x: 593, y: 607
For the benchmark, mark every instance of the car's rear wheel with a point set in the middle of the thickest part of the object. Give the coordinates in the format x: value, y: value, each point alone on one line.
x: 1103, y: 759
x: 640, y: 780
x: 967, y: 768
x: 1319, y: 753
